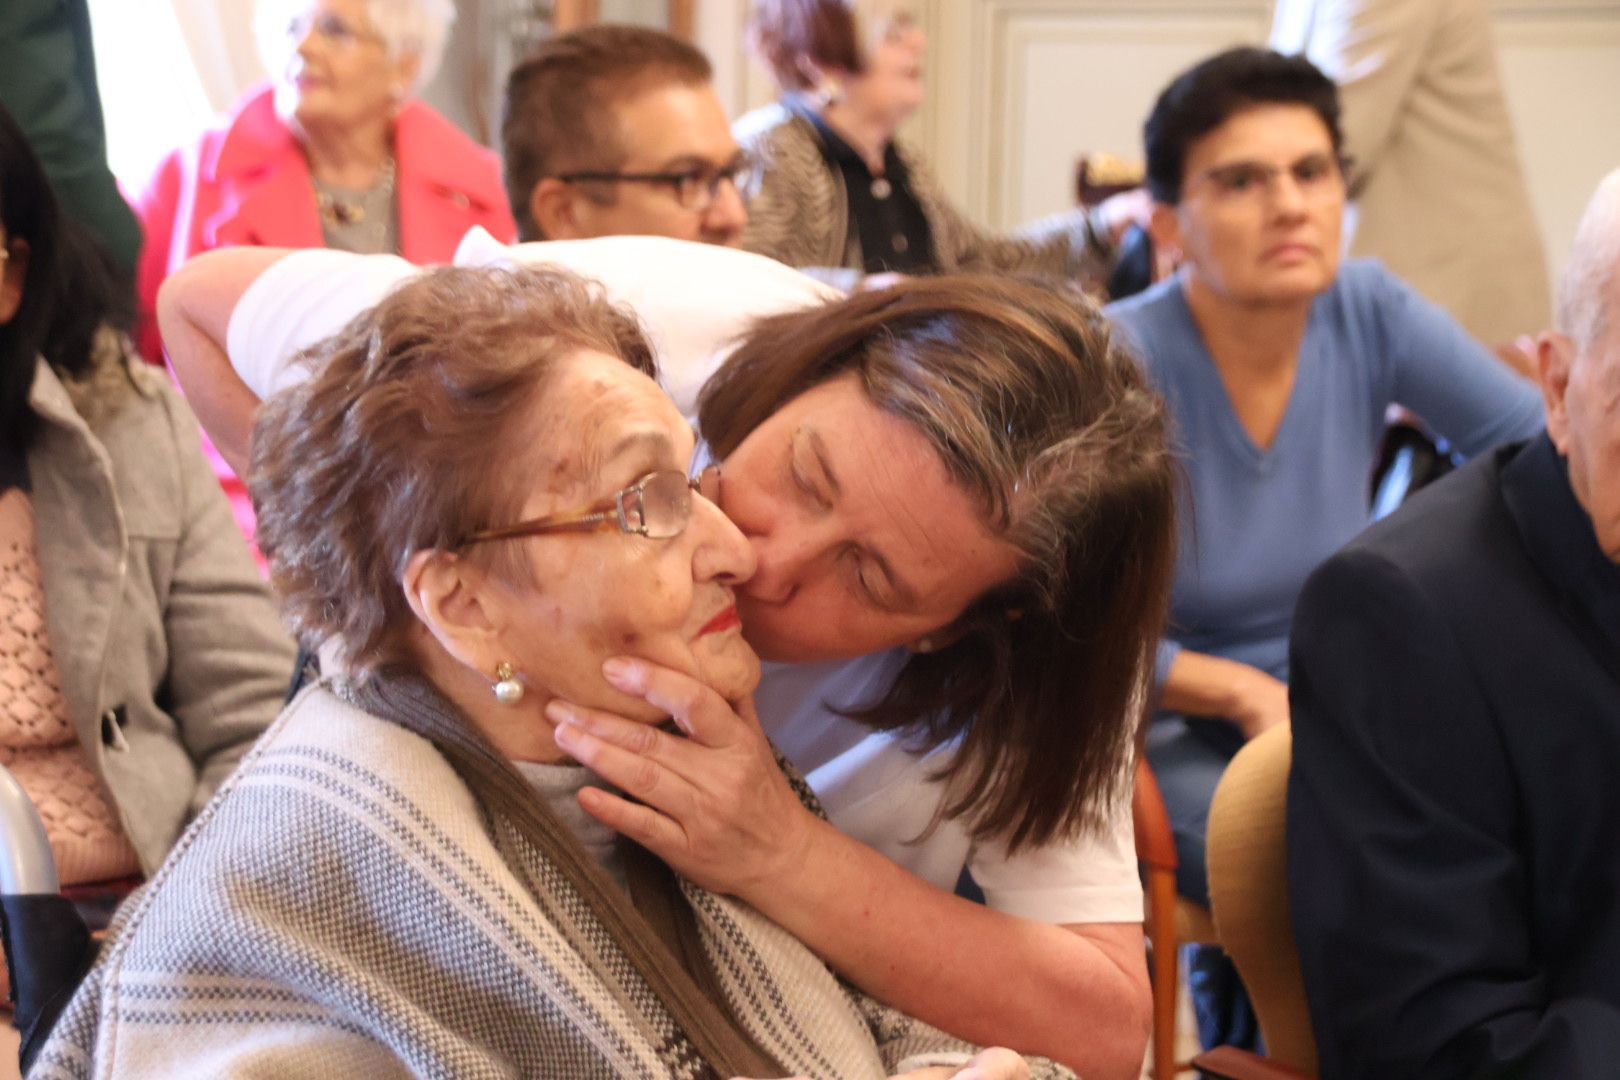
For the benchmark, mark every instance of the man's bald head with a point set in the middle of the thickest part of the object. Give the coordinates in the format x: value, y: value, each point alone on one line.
x: 1586, y: 296
x: 1580, y: 366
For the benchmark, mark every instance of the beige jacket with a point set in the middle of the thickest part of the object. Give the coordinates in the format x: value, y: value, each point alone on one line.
x: 1438, y: 187
x: 171, y: 656
x: 800, y: 215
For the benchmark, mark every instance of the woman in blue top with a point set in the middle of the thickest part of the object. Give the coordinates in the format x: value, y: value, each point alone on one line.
x: 1277, y: 364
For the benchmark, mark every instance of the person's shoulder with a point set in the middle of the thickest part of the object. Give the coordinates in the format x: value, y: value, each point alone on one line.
x: 1446, y: 538
x: 764, y: 124
x: 699, y: 272
x: 1148, y: 317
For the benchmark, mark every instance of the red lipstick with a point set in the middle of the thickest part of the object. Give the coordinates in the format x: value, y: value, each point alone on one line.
x: 725, y: 620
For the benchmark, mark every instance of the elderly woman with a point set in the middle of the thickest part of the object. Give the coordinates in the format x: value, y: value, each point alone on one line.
x: 139, y: 652
x: 959, y: 498
x: 481, y: 497
x: 840, y: 195
x: 1277, y: 364
x: 337, y: 153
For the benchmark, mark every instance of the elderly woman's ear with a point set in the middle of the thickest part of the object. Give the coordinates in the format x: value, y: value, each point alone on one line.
x: 451, y: 598
x: 406, y: 68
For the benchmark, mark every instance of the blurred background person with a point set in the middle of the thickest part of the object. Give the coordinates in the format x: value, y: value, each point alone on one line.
x: 338, y: 152
x: 838, y: 192
x: 48, y: 83
x: 1277, y: 364
x: 617, y: 131
x: 1437, y: 186
x: 139, y: 652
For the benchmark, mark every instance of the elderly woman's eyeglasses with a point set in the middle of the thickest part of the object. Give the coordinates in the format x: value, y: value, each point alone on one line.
x: 1242, y: 181
x: 695, y: 188
x: 658, y: 506
x: 331, y: 29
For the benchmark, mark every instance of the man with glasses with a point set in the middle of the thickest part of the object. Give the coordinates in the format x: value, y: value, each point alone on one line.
x: 616, y: 130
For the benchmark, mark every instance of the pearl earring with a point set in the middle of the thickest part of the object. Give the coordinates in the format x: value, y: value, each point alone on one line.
x: 923, y: 645
x: 509, y: 685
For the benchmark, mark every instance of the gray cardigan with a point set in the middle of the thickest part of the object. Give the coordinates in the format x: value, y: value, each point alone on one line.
x: 800, y: 215
x: 171, y: 656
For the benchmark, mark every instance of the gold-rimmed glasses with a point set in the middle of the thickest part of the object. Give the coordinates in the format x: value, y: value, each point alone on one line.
x: 657, y: 506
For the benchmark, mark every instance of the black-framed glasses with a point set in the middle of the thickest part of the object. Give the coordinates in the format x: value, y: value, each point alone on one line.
x: 695, y: 188
x: 657, y: 506
x: 1313, y: 174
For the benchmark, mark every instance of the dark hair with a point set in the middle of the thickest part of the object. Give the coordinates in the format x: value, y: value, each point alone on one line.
x: 1206, y: 95
x: 787, y: 32
x: 558, y: 113
x: 394, y: 444
x: 1043, y: 417
x: 70, y: 290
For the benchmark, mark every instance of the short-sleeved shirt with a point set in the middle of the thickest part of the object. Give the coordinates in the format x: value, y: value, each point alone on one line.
x: 1259, y: 521
x: 695, y: 301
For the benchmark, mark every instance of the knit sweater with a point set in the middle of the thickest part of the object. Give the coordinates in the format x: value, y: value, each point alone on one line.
x: 800, y: 215
x: 345, y: 907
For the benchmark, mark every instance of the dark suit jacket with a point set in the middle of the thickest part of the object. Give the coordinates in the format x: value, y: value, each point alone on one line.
x: 1454, y: 806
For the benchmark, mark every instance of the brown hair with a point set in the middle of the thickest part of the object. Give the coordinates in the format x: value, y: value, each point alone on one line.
x: 785, y: 33
x: 1040, y: 414
x: 402, y: 440
x: 558, y: 115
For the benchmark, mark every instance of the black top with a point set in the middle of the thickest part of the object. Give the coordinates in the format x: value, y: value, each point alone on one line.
x: 1452, y: 809
x: 884, y: 214
x: 13, y: 468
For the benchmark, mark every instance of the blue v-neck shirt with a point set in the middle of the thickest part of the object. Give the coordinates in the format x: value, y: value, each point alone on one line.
x: 1259, y: 521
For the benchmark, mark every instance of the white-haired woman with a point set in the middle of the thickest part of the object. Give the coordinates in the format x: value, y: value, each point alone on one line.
x: 337, y: 151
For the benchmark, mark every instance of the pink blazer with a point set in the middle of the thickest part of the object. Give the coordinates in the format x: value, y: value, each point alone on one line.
x: 246, y: 182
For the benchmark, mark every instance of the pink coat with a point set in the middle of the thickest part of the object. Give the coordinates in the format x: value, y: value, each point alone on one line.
x: 246, y: 181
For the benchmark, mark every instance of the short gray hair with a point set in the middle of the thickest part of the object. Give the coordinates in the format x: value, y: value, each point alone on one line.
x: 407, y: 27
x: 1586, y: 294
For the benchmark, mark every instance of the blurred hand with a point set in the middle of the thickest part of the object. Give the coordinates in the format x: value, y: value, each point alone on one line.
x: 713, y: 805
x: 1120, y: 212
x: 1260, y: 701
x: 873, y: 282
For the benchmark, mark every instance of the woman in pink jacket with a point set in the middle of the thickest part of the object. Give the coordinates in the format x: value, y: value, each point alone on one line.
x: 337, y: 152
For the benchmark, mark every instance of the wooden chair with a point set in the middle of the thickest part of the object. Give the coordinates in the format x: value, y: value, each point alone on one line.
x: 1249, y: 894
x: 1171, y: 920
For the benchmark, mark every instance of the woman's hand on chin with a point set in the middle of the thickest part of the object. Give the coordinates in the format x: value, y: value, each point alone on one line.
x: 713, y: 805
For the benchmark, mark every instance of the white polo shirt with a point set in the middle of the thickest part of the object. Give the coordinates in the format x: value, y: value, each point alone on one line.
x: 695, y: 301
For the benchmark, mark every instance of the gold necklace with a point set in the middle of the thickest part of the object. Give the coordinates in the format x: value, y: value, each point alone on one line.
x: 343, y: 211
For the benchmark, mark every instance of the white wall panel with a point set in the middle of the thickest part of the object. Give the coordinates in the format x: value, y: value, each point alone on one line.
x: 1561, y: 72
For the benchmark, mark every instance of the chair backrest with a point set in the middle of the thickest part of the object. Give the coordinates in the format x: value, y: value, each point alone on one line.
x: 26, y: 862
x: 1249, y: 893
x: 47, y: 946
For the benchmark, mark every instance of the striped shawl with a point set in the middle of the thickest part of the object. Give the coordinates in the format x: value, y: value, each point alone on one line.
x: 345, y: 907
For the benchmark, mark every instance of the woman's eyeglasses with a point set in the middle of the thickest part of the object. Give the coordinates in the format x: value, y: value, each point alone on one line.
x: 1244, y: 181
x: 329, y: 28
x: 658, y: 506
x: 695, y: 188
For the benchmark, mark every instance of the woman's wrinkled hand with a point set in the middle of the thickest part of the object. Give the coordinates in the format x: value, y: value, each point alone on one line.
x: 713, y: 805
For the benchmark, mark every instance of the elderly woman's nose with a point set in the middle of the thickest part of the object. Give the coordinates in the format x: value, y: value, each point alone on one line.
x: 723, y: 553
